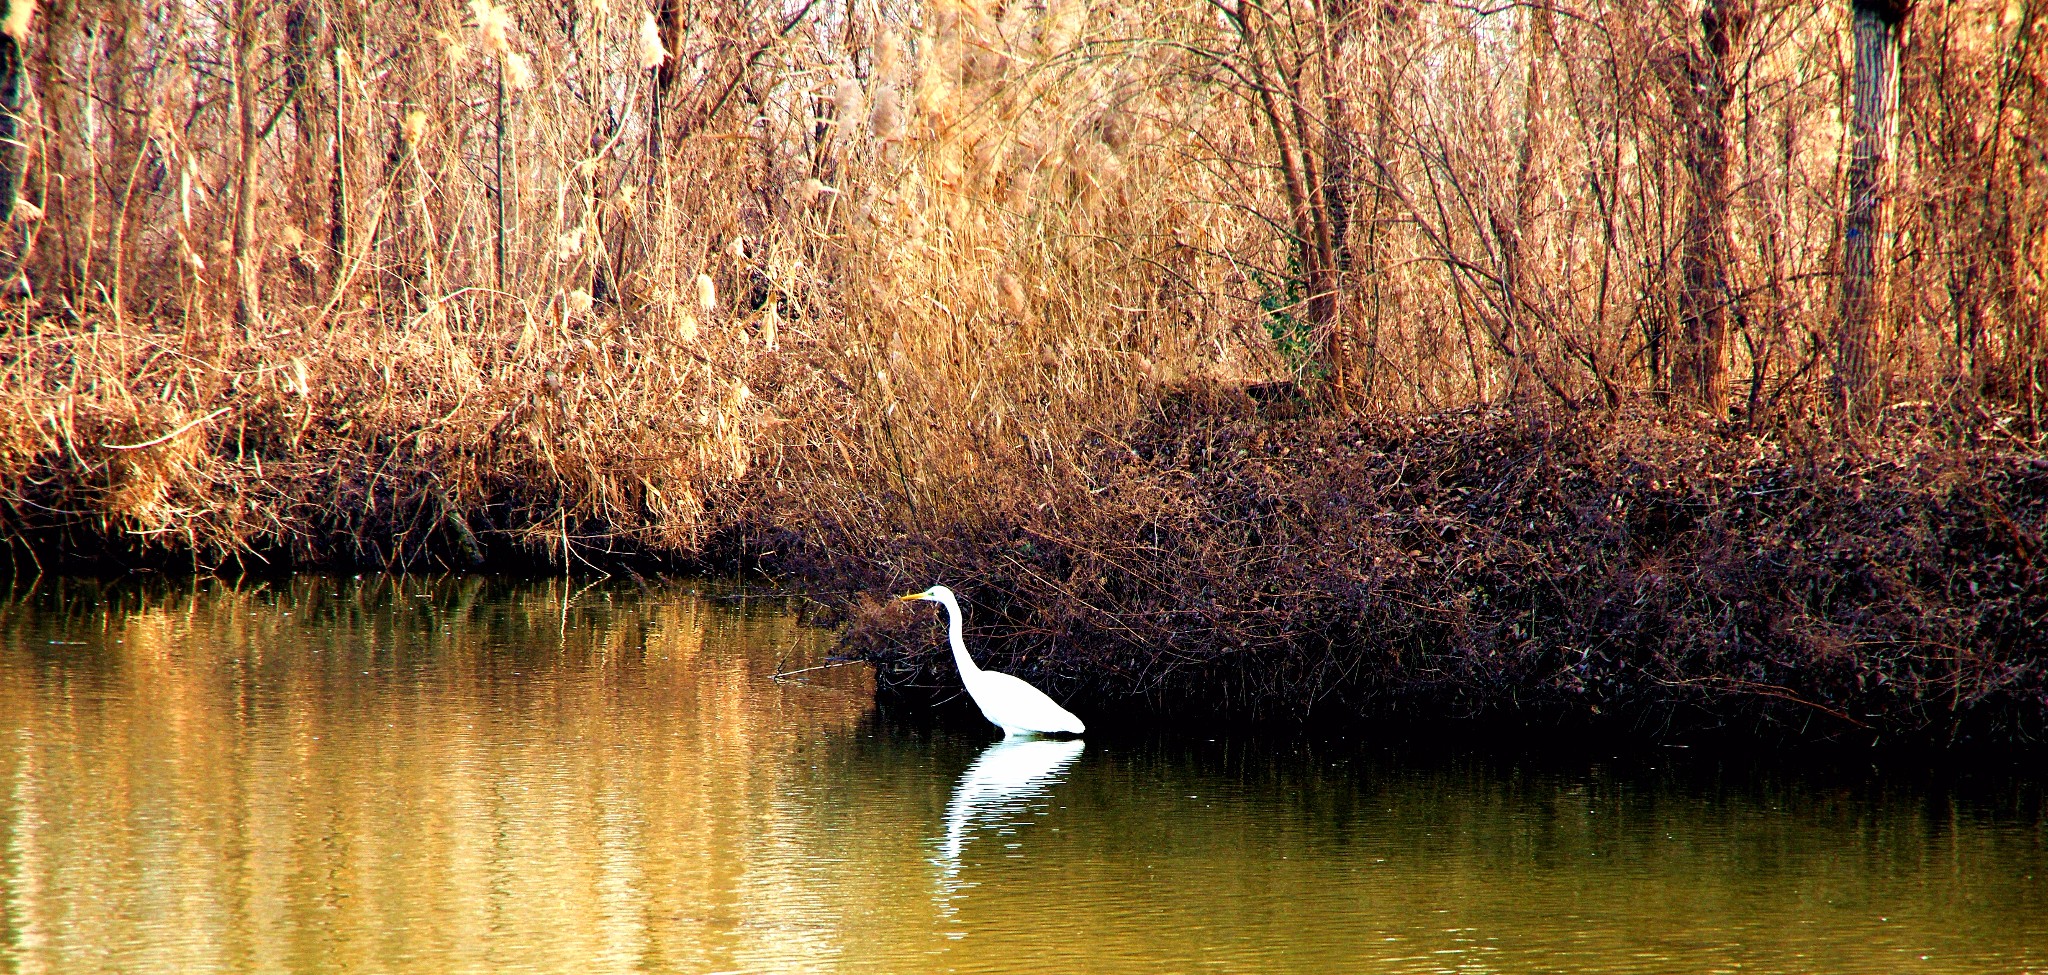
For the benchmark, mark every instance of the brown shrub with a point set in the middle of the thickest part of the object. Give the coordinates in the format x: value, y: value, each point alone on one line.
x: 1491, y: 561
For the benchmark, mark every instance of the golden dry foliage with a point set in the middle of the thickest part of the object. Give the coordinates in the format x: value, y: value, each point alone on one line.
x: 569, y: 272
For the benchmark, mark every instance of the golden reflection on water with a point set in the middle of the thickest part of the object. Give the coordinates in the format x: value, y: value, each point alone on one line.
x: 406, y: 775
x: 457, y: 775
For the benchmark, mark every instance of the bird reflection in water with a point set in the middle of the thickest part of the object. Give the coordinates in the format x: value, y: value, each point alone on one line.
x: 1009, y: 779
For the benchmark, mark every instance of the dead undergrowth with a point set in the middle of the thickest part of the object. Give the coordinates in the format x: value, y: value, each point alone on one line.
x: 1262, y: 559
x: 1489, y: 562
x: 428, y: 445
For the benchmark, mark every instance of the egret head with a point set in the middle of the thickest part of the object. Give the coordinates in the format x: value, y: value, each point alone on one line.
x: 936, y: 594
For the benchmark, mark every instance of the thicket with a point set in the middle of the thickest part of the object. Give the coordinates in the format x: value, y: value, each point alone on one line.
x: 417, y: 282
x: 1580, y: 566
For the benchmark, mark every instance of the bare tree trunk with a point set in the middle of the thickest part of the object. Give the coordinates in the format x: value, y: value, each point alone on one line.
x: 668, y: 18
x: 1700, y: 369
x: 121, y: 35
x: 1282, y: 100
x: 1874, y: 24
x: 13, y: 86
x: 337, y: 175
x: 500, y: 176
x: 247, y: 252
x: 1339, y: 164
x: 1515, y: 330
x: 303, y: 28
x: 64, y: 72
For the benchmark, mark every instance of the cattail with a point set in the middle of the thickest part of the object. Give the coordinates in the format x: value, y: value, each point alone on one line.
x: 414, y: 128
x: 936, y: 63
x: 455, y: 48
x: 707, y: 294
x: 686, y: 328
x: 1063, y: 22
x: 846, y: 100
x: 887, y: 119
x: 518, y: 71
x: 652, y: 53
x: 1010, y: 292
x: 888, y: 55
x: 570, y: 244
x: 1115, y: 126
x: 770, y: 321
x: 493, y: 25
x: 15, y: 24
x: 809, y: 191
x: 192, y: 257
x: 578, y: 302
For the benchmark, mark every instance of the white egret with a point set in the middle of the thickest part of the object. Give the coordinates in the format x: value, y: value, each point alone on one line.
x: 1006, y: 701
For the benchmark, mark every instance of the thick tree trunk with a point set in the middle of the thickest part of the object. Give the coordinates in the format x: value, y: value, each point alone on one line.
x: 1700, y: 370
x: 1875, y: 30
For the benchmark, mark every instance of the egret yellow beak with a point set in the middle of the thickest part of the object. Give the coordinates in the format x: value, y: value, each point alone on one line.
x: 910, y: 597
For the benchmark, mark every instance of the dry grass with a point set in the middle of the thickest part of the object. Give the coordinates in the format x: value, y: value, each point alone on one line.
x: 456, y: 282
x: 377, y: 446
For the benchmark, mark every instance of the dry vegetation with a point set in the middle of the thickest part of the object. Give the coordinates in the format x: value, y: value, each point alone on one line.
x: 418, y: 283
x: 1493, y: 561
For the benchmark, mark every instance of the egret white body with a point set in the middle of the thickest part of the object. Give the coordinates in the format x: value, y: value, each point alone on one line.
x: 1007, y: 702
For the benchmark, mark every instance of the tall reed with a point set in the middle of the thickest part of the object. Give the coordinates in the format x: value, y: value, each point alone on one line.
x: 570, y: 273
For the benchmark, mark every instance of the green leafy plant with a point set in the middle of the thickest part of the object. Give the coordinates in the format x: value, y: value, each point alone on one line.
x: 1280, y: 301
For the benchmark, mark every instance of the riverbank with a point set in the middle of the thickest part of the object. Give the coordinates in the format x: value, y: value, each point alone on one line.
x: 1020, y: 297
x: 1631, y: 568
x: 1634, y: 567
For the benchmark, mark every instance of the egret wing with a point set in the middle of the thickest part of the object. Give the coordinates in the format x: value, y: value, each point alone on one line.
x: 1013, y: 704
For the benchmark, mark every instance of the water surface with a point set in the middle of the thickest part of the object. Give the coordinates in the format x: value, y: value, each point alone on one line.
x: 464, y: 775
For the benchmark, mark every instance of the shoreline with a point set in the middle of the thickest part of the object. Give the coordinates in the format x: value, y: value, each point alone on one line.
x: 1619, y: 570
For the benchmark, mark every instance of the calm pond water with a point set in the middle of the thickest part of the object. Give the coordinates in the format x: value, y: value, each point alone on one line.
x: 466, y: 775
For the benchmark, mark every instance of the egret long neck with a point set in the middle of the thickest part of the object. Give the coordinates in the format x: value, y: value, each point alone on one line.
x: 960, y: 657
